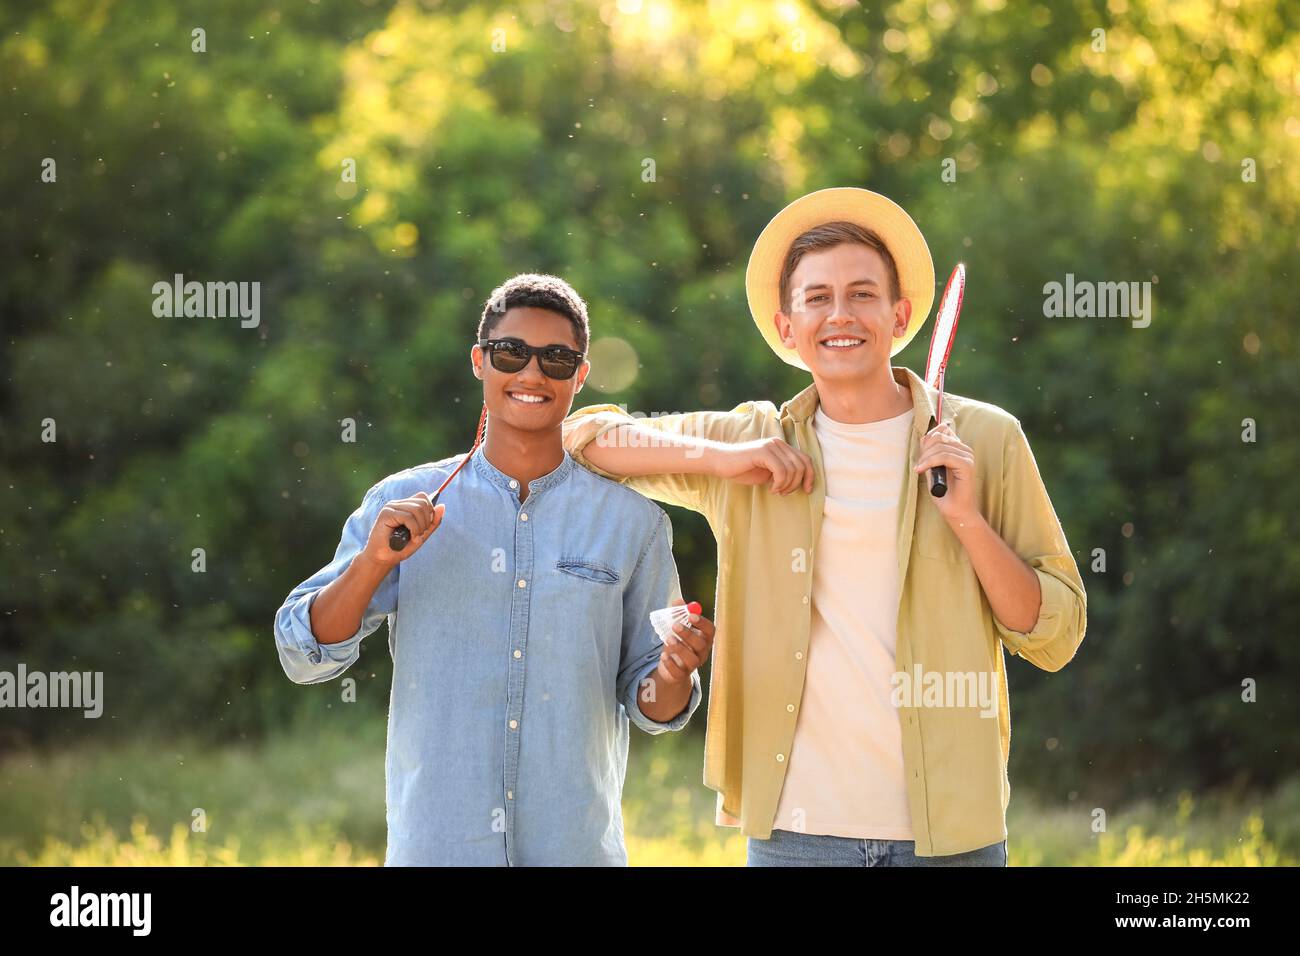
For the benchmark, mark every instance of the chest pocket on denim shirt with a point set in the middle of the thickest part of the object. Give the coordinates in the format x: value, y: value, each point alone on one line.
x: 588, y: 570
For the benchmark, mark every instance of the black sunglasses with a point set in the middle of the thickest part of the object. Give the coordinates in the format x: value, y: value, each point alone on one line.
x: 511, y: 355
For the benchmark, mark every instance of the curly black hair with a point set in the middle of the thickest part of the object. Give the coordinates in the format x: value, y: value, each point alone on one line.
x: 539, y: 292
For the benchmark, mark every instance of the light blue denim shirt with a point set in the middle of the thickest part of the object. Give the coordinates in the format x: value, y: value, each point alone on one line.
x: 520, y: 634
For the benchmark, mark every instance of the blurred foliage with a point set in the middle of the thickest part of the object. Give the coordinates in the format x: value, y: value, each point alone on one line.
x: 474, y: 163
x: 133, y: 805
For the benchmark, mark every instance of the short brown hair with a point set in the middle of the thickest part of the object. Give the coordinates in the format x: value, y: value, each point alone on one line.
x: 539, y: 292
x: 827, y: 236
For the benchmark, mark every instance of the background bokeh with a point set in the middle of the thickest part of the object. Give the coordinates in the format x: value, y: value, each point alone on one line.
x: 493, y: 141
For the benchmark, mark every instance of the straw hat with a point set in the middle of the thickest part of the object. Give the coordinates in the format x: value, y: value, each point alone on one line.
x: 847, y: 204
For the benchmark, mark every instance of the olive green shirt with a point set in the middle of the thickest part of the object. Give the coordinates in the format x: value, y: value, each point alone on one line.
x: 955, y: 760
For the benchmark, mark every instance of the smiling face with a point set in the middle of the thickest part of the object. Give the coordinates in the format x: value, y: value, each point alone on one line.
x: 842, y: 319
x: 528, y: 400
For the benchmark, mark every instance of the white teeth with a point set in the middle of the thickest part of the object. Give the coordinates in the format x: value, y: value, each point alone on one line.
x: 842, y: 343
x: 530, y: 399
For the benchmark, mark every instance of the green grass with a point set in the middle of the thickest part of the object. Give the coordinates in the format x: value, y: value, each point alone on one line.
x: 316, y: 798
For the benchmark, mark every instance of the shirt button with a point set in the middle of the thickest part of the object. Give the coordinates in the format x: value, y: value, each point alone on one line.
x: 805, y: 599
x: 513, y: 483
x: 514, y: 725
x: 780, y: 758
x: 790, y: 708
x: 798, y: 655
x: 523, y: 583
x: 510, y: 794
x: 523, y: 516
x: 518, y: 654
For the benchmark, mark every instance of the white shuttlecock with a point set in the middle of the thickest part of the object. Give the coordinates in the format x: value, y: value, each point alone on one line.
x: 663, y: 619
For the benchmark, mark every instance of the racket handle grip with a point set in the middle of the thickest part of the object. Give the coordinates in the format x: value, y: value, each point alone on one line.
x: 938, y: 474
x: 938, y: 481
x: 400, y: 536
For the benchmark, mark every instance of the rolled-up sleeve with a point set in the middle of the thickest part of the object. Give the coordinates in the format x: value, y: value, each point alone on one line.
x: 687, y: 490
x: 653, y: 585
x: 1031, y: 528
x: 306, y: 660
x: 586, y: 425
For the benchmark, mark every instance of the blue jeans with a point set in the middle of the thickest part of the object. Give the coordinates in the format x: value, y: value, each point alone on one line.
x: 787, y: 848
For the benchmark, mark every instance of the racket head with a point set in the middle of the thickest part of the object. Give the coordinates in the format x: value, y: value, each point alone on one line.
x: 945, y: 326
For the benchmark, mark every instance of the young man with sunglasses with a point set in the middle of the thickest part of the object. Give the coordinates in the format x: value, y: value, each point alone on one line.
x: 518, y: 615
x: 847, y: 592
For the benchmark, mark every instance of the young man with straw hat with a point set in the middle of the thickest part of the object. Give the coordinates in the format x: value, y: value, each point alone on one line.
x: 858, y: 707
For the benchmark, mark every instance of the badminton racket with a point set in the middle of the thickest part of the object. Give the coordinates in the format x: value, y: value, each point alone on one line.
x: 400, y: 536
x: 936, y: 364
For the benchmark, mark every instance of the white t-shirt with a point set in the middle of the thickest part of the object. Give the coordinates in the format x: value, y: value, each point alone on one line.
x: 845, y: 773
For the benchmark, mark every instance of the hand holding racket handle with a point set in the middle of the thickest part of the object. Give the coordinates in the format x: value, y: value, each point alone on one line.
x: 408, y: 521
x: 938, y: 474
x: 401, y: 535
